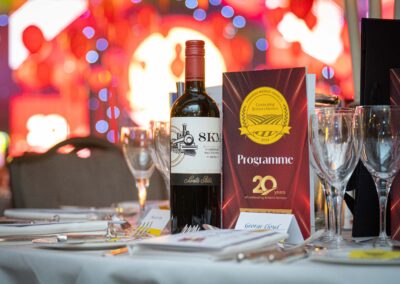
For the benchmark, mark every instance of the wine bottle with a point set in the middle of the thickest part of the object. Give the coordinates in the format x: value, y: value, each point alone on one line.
x: 195, y: 149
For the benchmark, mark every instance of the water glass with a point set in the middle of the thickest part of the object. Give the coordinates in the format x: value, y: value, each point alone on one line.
x: 136, y: 143
x: 326, y: 188
x: 335, y: 146
x: 162, y: 148
x: 380, y: 154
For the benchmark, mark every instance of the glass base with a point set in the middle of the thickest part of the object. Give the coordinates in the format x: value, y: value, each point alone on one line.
x: 378, y: 242
x: 336, y: 242
x: 327, y: 236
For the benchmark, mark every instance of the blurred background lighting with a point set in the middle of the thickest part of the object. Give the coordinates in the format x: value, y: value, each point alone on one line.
x: 93, y: 104
x: 239, y: 22
x: 328, y: 72
x: 40, y: 13
x: 215, y: 2
x: 191, y: 4
x: 116, y: 112
x: 103, y: 95
x: 3, y: 20
x: 153, y: 58
x: 45, y: 131
x: 101, y: 126
x: 101, y: 44
x: 89, y: 32
x: 262, y: 44
x: 68, y: 56
x: 273, y: 4
x: 227, y: 11
x: 229, y: 31
x: 92, y: 56
x: 199, y: 14
x: 111, y: 136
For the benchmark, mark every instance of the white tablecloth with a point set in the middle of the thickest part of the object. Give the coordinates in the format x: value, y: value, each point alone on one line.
x: 24, y: 264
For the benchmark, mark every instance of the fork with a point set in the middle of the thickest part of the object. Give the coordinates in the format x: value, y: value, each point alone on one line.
x: 190, y: 228
x: 142, y: 230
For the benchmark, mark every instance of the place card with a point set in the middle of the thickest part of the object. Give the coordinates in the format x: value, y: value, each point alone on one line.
x: 282, y: 223
x: 158, y: 219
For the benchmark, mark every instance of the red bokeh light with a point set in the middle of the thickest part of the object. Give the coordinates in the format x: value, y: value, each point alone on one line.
x: 33, y: 38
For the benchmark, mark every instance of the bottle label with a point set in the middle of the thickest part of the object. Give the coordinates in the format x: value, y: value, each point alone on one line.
x: 196, y: 149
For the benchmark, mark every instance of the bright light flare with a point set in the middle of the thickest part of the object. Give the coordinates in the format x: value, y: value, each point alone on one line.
x: 151, y: 76
x: 44, y: 131
x: 50, y: 16
x: 323, y: 42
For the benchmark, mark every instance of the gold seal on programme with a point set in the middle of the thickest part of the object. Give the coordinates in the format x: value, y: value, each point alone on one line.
x: 264, y: 116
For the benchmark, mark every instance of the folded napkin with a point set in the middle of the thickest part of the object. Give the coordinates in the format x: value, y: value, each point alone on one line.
x: 49, y: 214
x: 211, y: 245
x: 21, y: 229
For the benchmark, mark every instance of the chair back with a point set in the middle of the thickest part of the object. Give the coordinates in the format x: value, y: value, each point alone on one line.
x: 81, y: 171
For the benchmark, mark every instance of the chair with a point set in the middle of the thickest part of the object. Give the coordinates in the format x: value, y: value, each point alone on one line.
x: 86, y: 171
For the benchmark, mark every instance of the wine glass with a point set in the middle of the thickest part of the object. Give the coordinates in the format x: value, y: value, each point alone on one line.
x: 136, y: 143
x: 380, y: 154
x: 326, y: 188
x: 153, y: 126
x: 328, y: 233
x: 162, y: 143
x: 335, y: 145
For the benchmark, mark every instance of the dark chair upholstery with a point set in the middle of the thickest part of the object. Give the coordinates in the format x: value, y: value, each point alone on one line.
x: 92, y: 173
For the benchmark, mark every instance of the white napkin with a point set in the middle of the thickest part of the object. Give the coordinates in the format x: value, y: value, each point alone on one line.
x: 20, y: 229
x: 211, y: 245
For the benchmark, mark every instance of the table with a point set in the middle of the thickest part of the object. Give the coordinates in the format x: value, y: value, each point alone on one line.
x: 27, y: 264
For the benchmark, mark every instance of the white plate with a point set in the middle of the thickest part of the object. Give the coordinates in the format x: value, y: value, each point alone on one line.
x: 80, y: 245
x: 342, y: 257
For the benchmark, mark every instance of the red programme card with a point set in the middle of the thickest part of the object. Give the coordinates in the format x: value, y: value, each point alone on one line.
x: 395, y: 190
x: 266, y: 160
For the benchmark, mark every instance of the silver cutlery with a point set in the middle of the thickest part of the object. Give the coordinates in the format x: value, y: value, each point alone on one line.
x: 278, y: 253
x: 190, y: 228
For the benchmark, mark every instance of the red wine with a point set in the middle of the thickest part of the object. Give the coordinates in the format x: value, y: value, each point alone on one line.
x: 195, y: 149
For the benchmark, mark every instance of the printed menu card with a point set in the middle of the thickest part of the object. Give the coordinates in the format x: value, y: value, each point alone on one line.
x: 266, y: 155
x: 395, y: 189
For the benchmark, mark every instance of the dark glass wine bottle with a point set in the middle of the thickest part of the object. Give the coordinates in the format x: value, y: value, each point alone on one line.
x: 195, y: 149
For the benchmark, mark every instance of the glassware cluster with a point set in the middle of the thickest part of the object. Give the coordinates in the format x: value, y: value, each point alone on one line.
x: 338, y: 139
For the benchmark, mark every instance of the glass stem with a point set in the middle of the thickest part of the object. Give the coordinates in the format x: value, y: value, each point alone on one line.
x: 167, y: 184
x: 383, y: 189
x: 337, y: 199
x: 142, y: 185
x: 329, y: 212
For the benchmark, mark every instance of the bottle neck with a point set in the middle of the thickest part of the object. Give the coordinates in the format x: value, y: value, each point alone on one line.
x: 194, y: 74
x: 194, y: 87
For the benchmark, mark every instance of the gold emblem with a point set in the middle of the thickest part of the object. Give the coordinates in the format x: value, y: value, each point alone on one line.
x: 261, y: 187
x: 264, y: 116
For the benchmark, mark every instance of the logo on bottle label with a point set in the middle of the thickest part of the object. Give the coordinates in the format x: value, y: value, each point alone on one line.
x: 195, y: 145
x: 264, y: 116
x: 182, y: 143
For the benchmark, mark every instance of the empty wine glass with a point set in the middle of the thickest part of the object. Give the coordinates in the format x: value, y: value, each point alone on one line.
x: 335, y: 145
x: 136, y: 143
x: 326, y: 188
x: 153, y: 126
x: 380, y: 154
x: 161, y: 143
